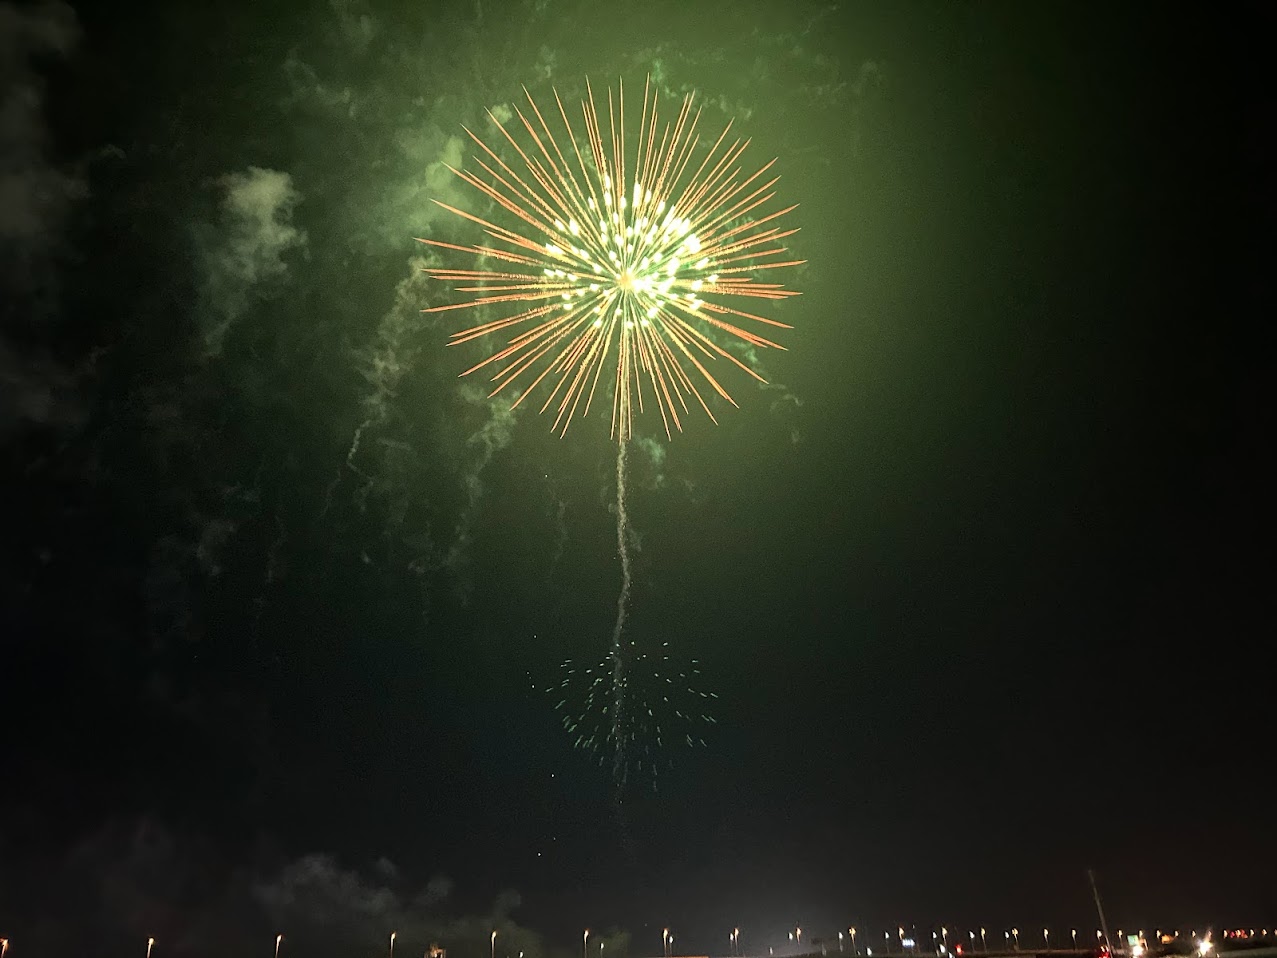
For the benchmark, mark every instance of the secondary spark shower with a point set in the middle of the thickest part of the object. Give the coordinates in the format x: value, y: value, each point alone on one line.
x: 628, y: 254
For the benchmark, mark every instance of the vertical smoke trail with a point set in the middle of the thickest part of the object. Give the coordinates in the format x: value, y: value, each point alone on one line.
x: 622, y: 602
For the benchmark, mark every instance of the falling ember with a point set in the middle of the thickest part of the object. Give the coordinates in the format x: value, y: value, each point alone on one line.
x: 623, y: 255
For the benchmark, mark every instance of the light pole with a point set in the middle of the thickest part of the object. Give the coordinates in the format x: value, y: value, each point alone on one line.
x: 900, y: 933
x: 665, y: 942
x: 971, y: 935
x: 1016, y: 933
x: 671, y: 946
x: 852, y: 932
x: 840, y: 942
x: 4, y: 946
x: 392, y: 945
x: 944, y: 937
x: 984, y: 941
x: 1073, y: 932
x: 279, y: 939
x: 585, y: 944
x: 1046, y: 939
x: 493, y: 944
x: 150, y: 943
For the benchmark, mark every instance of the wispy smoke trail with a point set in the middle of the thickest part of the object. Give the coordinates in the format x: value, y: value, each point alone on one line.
x: 622, y: 604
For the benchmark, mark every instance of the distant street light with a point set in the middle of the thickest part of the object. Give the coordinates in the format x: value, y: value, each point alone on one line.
x: 1073, y: 932
x: 278, y: 941
x: 840, y: 942
x: 392, y: 945
x: 1016, y: 933
x: 853, y: 939
x: 493, y: 943
x: 1046, y: 937
x: 971, y: 935
x: 4, y: 946
x: 944, y: 937
x: 585, y: 943
x: 665, y: 943
x: 150, y: 943
x: 984, y: 941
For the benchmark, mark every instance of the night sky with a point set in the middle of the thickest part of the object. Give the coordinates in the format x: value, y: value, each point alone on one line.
x: 981, y: 580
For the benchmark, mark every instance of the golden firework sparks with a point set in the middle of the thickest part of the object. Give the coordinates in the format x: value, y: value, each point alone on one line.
x: 607, y: 264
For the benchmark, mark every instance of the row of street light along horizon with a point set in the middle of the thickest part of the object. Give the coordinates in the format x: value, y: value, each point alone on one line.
x: 908, y: 945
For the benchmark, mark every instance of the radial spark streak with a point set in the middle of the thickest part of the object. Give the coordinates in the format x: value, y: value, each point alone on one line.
x: 635, y: 256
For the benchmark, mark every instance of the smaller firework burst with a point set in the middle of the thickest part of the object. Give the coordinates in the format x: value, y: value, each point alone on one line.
x: 662, y: 708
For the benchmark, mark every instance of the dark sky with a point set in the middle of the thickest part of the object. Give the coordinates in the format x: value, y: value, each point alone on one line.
x: 980, y: 581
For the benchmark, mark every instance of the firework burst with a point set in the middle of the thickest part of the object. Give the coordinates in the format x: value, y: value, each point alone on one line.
x: 628, y: 256
x: 664, y: 709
